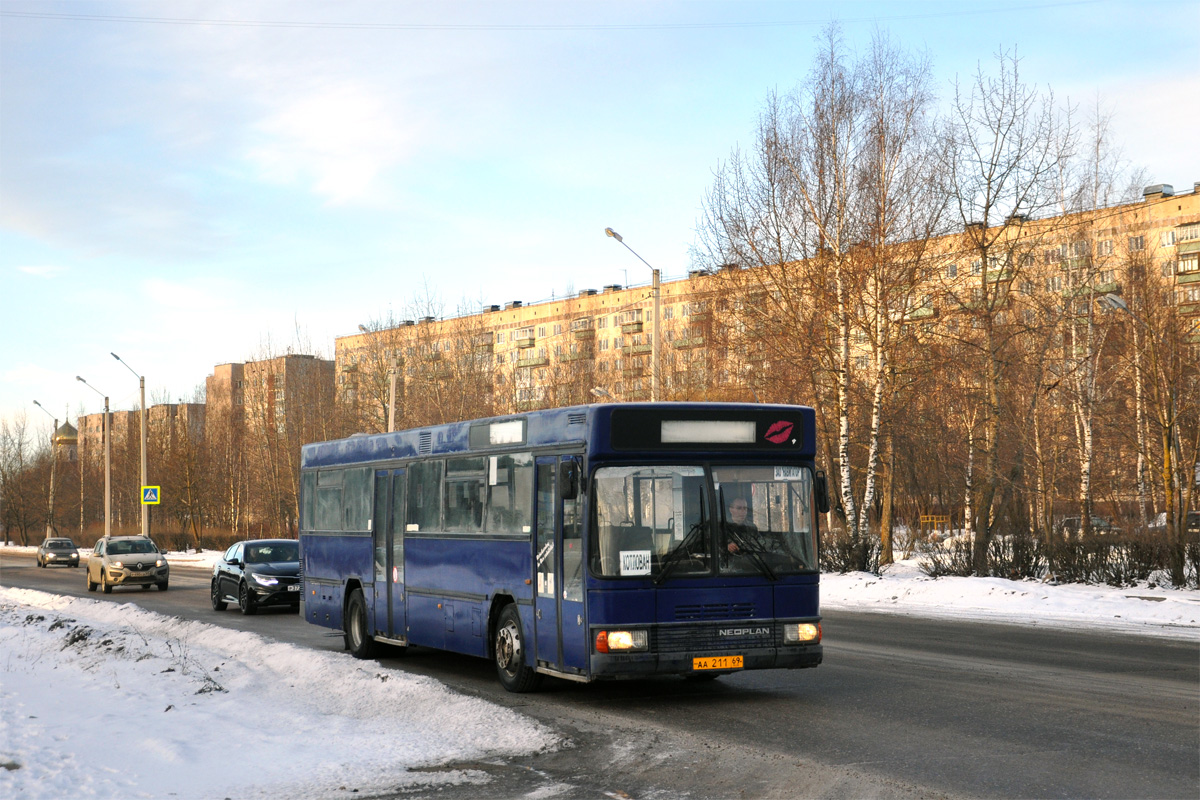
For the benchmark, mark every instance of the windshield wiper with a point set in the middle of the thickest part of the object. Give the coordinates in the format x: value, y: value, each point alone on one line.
x: 672, y: 558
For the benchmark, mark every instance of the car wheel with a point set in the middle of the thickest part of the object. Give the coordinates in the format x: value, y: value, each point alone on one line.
x: 512, y: 665
x: 358, y: 641
x: 217, y: 603
x: 245, y: 601
x: 104, y: 584
x: 91, y: 586
x: 162, y: 587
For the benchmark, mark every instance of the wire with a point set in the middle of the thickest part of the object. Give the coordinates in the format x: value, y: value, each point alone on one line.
x: 463, y: 27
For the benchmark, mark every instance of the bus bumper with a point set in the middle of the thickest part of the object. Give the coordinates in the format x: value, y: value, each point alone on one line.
x: 610, y: 665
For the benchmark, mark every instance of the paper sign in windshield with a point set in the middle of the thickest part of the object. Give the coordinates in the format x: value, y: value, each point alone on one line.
x: 635, y: 562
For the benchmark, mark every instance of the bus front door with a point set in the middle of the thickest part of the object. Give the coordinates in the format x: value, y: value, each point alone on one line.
x: 388, y: 534
x: 561, y: 632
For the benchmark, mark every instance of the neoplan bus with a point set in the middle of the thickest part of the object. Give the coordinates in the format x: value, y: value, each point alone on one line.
x: 593, y: 542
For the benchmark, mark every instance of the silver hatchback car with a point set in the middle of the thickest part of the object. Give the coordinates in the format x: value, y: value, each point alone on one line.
x: 127, y: 561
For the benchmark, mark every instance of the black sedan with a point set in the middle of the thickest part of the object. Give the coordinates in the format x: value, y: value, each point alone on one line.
x: 258, y: 572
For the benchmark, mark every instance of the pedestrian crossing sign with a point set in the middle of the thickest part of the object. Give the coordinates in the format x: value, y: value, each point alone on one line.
x: 150, y: 495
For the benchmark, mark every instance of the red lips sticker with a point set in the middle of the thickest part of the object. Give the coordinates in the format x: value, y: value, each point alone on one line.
x: 779, y: 432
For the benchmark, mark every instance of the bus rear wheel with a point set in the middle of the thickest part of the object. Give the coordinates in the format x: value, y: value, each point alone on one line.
x: 358, y: 641
x: 511, y: 655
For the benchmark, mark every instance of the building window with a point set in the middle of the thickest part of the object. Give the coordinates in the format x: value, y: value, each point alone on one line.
x: 977, y: 267
x: 1137, y: 244
x: 1104, y: 248
x: 1189, y: 263
x: 952, y: 271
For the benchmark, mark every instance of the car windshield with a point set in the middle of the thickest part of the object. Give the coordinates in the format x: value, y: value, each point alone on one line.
x: 60, y: 544
x: 275, y: 551
x: 129, y: 547
x: 660, y: 521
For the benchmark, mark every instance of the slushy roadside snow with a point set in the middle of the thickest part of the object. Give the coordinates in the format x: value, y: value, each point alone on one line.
x: 104, y: 699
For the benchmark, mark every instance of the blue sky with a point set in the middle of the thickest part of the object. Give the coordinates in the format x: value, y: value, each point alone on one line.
x: 190, y: 184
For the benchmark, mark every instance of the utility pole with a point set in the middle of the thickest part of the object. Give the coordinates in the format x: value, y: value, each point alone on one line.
x: 53, y: 463
x: 142, y: 414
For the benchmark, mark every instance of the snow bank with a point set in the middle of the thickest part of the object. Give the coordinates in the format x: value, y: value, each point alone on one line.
x: 101, y: 699
x: 903, y: 589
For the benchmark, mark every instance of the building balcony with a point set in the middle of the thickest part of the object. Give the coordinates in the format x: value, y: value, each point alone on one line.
x: 585, y: 354
x: 637, y: 349
x: 685, y: 344
x: 584, y: 334
x: 535, y: 361
x: 526, y: 342
x: 631, y: 327
x: 927, y: 312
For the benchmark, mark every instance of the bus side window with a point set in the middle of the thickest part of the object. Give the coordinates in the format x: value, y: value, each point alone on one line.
x: 464, y: 494
x: 510, y: 493
x: 308, y: 494
x: 329, y: 500
x: 424, y: 496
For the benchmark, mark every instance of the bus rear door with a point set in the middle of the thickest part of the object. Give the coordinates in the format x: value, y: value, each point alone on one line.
x: 388, y: 533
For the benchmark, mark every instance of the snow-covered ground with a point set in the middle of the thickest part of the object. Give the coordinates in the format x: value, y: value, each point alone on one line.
x: 104, y: 699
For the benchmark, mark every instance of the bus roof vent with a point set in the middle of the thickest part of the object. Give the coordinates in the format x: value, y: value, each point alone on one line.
x: 425, y: 442
x: 577, y: 418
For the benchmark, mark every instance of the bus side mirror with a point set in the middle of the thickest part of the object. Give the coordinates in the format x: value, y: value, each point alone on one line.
x: 822, y: 491
x: 568, y: 480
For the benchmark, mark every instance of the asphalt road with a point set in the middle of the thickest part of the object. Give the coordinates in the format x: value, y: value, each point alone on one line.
x: 902, y: 707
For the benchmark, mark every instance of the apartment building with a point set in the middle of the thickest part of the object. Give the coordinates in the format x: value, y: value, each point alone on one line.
x: 598, y: 343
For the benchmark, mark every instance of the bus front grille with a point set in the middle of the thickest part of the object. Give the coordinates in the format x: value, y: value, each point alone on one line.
x: 715, y: 611
x: 718, y: 638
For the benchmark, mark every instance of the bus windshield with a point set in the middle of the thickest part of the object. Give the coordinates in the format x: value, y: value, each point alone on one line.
x: 675, y: 521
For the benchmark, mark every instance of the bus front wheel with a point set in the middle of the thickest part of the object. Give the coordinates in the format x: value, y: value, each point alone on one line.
x: 512, y: 665
x: 358, y: 641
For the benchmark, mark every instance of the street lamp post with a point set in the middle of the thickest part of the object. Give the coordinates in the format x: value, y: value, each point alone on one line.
x: 654, y: 354
x: 53, y: 463
x: 142, y: 414
x: 107, y: 459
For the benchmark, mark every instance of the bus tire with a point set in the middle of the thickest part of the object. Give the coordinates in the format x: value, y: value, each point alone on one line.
x: 511, y: 654
x: 358, y: 641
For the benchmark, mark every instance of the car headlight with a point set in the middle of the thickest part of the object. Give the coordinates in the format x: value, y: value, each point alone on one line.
x: 160, y: 563
x: 802, y: 633
x: 621, y: 641
x: 265, y: 580
x: 117, y: 565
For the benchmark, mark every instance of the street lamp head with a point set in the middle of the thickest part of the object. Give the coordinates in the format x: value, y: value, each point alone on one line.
x: 362, y: 328
x: 613, y: 234
x: 80, y: 379
x: 114, y: 355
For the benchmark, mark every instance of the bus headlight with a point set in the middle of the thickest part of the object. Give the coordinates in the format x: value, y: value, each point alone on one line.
x: 802, y: 633
x: 622, y: 641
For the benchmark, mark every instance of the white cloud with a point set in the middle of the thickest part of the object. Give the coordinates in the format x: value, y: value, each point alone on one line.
x: 340, y: 140
x: 43, y: 271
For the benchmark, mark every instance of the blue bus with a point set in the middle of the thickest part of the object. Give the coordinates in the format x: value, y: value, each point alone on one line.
x: 590, y: 542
